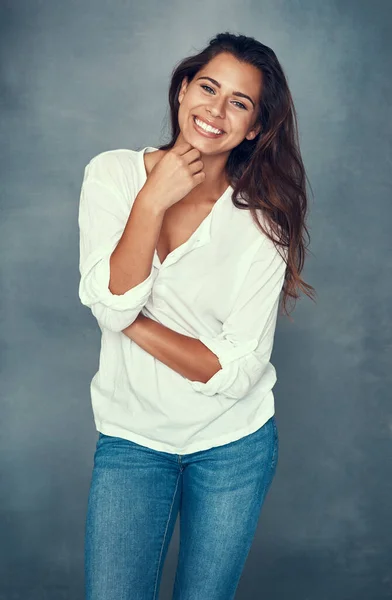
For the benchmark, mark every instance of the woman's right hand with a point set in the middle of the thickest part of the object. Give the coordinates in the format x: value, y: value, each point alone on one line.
x: 175, y: 175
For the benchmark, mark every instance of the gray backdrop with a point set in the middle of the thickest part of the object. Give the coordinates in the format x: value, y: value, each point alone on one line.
x: 80, y: 77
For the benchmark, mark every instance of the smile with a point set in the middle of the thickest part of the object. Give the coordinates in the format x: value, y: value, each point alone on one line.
x: 207, y: 129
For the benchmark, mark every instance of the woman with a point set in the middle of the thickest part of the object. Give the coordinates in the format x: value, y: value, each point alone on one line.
x: 184, y: 280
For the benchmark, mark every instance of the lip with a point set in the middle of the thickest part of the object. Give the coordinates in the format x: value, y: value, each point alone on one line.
x: 208, y: 134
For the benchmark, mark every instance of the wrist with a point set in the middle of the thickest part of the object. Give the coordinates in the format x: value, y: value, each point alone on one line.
x: 132, y: 329
x: 146, y: 198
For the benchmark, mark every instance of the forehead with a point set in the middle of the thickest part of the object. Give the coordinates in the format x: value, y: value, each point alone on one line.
x: 232, y: 73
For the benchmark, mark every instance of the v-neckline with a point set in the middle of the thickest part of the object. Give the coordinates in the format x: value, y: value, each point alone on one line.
x: 200, y: 227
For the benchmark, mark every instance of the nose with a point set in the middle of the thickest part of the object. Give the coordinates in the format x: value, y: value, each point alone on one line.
x: 216, y: 108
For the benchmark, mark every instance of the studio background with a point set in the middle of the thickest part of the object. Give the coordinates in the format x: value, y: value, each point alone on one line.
x: 81, y: 77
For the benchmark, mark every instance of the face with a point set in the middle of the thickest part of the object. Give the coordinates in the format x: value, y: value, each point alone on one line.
x: 229, y: 103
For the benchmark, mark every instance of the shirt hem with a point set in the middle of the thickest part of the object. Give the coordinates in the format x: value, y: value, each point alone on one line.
x: 116, y: 431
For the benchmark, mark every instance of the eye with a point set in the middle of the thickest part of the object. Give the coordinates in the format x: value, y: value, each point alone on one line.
x: 243, y: 107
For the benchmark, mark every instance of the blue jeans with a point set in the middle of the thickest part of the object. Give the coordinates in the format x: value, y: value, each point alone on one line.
x: 135, y: 496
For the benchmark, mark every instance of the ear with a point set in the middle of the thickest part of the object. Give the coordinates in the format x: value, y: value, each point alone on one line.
x: 184, y: 85
x: 253, y: 132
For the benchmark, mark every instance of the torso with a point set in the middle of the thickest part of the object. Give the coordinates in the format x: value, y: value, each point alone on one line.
x: 180, y: 220
x: 178, y: 224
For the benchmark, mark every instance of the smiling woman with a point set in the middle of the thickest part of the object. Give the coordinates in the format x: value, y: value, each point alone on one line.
x: 258, y: 149
x: 184, y: 252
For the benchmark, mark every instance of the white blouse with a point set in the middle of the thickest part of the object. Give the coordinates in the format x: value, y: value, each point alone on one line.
x: 222, y: 286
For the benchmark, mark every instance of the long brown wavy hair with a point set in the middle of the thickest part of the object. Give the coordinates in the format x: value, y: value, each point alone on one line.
x: 267, y: 172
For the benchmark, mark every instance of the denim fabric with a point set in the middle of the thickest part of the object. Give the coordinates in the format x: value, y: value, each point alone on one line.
x: 135, y: 496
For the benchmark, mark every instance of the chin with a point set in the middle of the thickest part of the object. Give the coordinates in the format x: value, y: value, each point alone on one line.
x: 189, y: 139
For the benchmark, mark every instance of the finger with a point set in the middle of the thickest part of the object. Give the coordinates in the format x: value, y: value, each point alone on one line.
x: 181, y: 148
x: 192, y: 155
x: 196, y: 166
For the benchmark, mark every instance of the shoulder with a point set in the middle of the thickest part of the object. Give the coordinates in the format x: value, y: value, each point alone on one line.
x: 152, y: 158
x: 117, y: 170
x: 261, y: 247
x: 111, y: 162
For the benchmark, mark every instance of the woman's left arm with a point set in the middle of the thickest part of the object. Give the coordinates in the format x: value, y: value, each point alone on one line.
x: 186, y: 355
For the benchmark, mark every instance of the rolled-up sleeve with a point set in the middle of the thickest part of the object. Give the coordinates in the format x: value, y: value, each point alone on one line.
x: 103, y: 214
x: 244, y: 346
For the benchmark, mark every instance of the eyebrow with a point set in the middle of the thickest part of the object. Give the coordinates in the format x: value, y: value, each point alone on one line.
x: 240, y: 94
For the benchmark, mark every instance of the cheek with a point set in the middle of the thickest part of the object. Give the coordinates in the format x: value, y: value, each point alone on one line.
x: 182, y: 111
x: 192, y: 99
x: 245, y: 122
x: 184, y: 107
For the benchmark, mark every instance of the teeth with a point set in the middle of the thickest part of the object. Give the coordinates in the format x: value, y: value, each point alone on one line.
x: 207, y: 127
